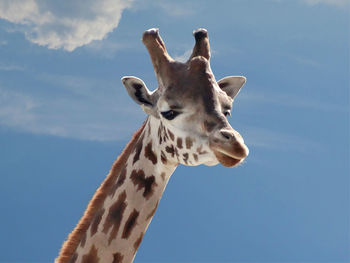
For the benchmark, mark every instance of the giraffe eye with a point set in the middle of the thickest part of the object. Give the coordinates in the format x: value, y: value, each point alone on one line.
x: 227, y: 113
x: 170, y: 114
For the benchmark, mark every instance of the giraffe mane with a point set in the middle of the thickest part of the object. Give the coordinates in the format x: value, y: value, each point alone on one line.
x: 70, y: 245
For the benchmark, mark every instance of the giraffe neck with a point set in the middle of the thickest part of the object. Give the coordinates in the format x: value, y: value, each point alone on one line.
x: 131, y: 193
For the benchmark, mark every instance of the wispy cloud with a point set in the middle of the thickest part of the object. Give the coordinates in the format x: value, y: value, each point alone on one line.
x: 175, y: 9
x: 107, y: 48
x: 306, y: 61
x: 263, y: 138
x: 65, y: 25
x: 11, y: 67
x: 290, y: 100
x: 338, y: 3
x: 72, y: 107
x: 167, y: 7
x: 16, y: 108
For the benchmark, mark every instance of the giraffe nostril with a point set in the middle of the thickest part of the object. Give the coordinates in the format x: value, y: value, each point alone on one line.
x: 227, y: 135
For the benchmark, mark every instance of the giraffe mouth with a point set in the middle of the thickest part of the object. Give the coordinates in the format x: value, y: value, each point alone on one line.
x: 227, y: 160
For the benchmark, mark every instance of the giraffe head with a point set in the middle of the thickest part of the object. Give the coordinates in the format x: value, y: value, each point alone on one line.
x: 191, y: 106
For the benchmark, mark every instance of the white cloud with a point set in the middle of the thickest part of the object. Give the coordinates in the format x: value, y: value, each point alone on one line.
x: 68, y: 24
x: 339, y: 3
x: 71, y: 107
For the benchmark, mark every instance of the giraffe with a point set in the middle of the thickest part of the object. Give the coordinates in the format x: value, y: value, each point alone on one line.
x: 186, y: 124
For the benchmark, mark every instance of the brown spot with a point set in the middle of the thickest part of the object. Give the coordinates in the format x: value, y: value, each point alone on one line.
x: 159, y: 130
x: 163, y: 176
x: 152, y: 212
x: 200, y: 151
x: 170, y: 149
x: 120, y: 181
x: 165, y: 137
x: 185, y: 157
x: 130, y: 224
x: 163, y: 157
x: 139, y: 179
x: 177, y: 153
x: 83, y: 240
x: 189, y: 142
x: 73, y: 258
x: 150, y: 154
x: 91, y: 257
x: 96, y: 221
x: 115, y: 216
x: 195, y: 156
x: 179, y: 143
x: 117, y: 258
x: 71, y: 244
x: 149, y: 129
x: 138, y: 241
x: 172, y: 137
x: 209, y: 126
x: 138, y: 150
x: 165, y: 134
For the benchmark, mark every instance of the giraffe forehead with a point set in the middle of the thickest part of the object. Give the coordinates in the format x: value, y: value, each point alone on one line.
x: 203, y: 96
x: 184, y: 99
x: 182, y: 81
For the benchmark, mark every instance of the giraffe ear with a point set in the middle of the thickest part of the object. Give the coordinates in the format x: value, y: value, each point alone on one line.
x: 140, y: 94
x: 232, y: 85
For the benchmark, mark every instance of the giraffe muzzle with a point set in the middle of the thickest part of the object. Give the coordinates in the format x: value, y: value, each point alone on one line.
x: 228, y: 147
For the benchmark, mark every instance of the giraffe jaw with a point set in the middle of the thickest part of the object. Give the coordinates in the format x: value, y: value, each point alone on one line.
x: 226, y: 160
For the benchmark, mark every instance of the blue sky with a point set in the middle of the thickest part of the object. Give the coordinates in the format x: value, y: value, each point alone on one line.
x: 65, y: 117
